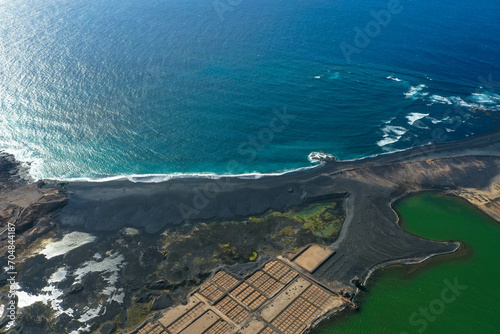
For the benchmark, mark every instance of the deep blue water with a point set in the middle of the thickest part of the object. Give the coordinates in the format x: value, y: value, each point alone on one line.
x: 99, y: 88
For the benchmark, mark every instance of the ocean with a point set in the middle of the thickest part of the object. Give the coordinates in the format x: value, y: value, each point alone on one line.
x: 99, y: 89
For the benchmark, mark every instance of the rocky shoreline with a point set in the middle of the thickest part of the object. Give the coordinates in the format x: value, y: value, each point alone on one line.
x: 137, y: 225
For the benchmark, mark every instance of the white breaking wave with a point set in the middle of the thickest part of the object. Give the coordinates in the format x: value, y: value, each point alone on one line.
x: 158, y: 178
x: 387, y: 141
x: 385, y: 153
x: 459, y: 102
x: 35, y: 172
x: 484, y: 101
x: 320, y: 157
x: 478, y: 100
x: 389, y: 121
x: 416, y: 92
x: 26, y: 158
x: 440, y: 99
x: 485, y: 98
x: 415, y: 116
x: 394, y: 78
x: 487, y: 101
x: 392, y: 134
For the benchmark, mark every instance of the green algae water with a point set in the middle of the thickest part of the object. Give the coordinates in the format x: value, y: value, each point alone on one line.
x: 448, y: 294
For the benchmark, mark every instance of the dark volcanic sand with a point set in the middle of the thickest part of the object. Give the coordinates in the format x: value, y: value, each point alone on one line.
x: 369, y: 238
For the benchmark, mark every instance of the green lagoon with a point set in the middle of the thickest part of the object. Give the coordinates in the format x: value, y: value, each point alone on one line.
x: 456, y: 293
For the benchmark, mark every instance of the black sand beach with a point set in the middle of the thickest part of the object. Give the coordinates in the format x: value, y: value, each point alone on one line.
x: 369, y: 238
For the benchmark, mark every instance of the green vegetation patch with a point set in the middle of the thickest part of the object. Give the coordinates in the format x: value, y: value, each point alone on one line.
x: 192, y: 251
x: 137, y: 313
x: 254, y: 256
x: 323, y: 220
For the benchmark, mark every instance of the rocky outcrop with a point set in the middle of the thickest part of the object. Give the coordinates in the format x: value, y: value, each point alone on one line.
x: 321, y: 157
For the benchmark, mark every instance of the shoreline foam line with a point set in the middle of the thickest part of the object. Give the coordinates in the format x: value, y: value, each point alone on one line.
x: 158, y: 178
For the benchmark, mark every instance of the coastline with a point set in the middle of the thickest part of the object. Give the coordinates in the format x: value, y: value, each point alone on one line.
x: 473, y: 142
x: 370, y: 237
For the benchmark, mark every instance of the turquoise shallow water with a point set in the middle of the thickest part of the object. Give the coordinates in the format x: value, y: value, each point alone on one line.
x: 102, y: 88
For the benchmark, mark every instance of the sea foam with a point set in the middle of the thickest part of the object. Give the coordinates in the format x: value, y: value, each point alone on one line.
x: 158, y: 178
x: 416, y: 92
x: 440, y: 99
x: 392, y: 134
x: 415, y: 116
x: 394, y: 78
x: 485, y: 98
